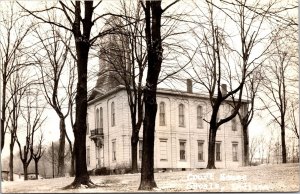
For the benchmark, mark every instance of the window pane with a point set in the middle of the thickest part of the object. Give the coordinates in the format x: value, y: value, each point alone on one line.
x: 163, y: 149
x: 234, y: 152
x: 101, y: 118
x: 140, y: 149
x: 162, y: 120
x: 112, y: 114
x: 181, y: 115
x: 199, y: 117
x: 218, y: 151
x: 200, y: 151
x: 97, y: 118
x: 233, y: 122
x: 113, y: 150
x: 182, y: 150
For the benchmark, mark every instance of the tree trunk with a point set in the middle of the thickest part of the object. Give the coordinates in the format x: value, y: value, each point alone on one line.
x: 72, y: 173
x: 283, y: 146
x: 246, y: 146
x: 36, y: 163
x: 155, y: 52
x: 81, y: 174
x: 211, y: 148
x: 61, y: 150
x: 134, y: 145
x: 25, y: 171
x: 11, y: 158
x: 3, y: 113
x: 147, y: 172
x: 82, y: 43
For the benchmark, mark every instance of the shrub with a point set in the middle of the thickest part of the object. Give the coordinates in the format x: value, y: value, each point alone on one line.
x: 122, y: 168
x: 102, y: 171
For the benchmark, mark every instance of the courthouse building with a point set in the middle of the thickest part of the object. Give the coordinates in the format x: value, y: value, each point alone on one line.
x: 181, y: 132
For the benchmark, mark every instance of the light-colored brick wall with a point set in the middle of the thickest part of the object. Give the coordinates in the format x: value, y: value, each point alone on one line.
x: 121, y: 133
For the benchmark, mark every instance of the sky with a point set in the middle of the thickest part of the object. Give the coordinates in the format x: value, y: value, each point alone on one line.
x: 51, y: 125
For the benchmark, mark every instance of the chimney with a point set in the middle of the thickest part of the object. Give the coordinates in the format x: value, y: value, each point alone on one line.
x: 223, y: 89
x: 189, y: 86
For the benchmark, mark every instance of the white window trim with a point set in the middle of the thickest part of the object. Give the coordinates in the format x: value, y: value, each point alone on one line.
x: 164, y: 140
x: 200, y: 141
x: 185, y: 151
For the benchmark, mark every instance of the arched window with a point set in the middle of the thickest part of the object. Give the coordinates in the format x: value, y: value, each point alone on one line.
x: 113, y: 114
x: 181, y: 115
x: 97, y: 119
x: 162, y: 114
x: 101, y: 118
x: 233, y: 122
x: 199, y: 117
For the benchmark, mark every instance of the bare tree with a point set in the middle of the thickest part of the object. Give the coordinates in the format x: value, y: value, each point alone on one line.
x: 278, y: 88
x: 13, y: 31
x: 246, y: 113
x: 37, y: 153
x: 253, y: 147
x: 153, y: 13
x: 55, y: 78
x: 81, y: 18
x: 270, y: 145
x: 224, y: 63
x: 293, y: 119
x: 33, y: 119
x: 17, y: 86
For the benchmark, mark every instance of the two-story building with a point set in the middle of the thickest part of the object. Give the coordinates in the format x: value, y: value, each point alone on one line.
x: 181, y: 132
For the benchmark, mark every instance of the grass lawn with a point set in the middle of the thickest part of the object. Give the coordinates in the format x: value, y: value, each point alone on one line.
x: 269, y: 178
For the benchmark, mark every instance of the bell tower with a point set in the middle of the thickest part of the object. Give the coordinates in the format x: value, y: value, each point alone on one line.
x: 114, y: 63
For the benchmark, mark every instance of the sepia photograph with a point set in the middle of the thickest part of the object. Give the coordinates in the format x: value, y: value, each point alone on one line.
x: 101, y: 96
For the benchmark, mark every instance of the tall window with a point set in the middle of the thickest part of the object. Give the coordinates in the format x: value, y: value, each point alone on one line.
x: 114, y: 150
x: 97, y: 155
x: 162, y: 114
x: 163, y: 149
x: 234, y: 151
x: 140, y: 149
x: 113, y: 114
x: 101, y: 118
x: 97, y: 118
x: 199, y: 117
x: 233, y: 123
x: 218, y: 151
x: 88, y: 160
x: 182, y: 149
x: 181, y: 115
x: 200, y: 151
